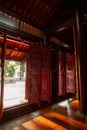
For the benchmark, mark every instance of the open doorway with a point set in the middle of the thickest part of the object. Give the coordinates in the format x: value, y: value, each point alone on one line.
x: 14, y: 51
x: 14, y: 83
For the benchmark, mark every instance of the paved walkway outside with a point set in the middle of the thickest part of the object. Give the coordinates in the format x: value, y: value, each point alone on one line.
x: 13, y: 90
x: 13, y: 93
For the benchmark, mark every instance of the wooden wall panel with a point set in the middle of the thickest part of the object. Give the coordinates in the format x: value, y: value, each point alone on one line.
x: 61, y: 74
x: 0, y: 95
x: 46, y: 69
x: 70, y: 74
x: 35, y: 74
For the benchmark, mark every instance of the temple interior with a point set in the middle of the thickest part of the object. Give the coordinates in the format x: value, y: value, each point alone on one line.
x: 43, y: 65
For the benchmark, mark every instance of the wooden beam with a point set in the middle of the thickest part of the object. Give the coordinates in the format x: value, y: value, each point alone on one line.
x: 14, y: 59
x: 17, y: 32
x: 2, y: 67
x: 65, y: 25
x: 62, y: 19
x: 59, y: 42
x: 15, y: 49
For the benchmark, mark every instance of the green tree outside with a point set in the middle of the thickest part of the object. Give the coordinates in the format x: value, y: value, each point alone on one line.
x: 11, y: 70
x: 12, y: 67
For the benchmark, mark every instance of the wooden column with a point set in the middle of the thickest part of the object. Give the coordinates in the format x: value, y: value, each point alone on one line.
x: 62, y: 74
x: 76, y: 61
x: 46, y: 39
x: 27, y: 88
x: 80, y: 52
x: 2, y: 74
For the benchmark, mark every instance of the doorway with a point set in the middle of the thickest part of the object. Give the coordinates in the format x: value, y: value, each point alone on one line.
x: 13, y: 51
x: 14, y: 83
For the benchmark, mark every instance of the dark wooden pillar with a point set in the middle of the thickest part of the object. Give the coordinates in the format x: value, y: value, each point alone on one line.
x: 80, y: 53
x: 54, y: 73
x: 76, y: 61
x: 46, y: 39
x: 2, y: 74
x: 62, y: 73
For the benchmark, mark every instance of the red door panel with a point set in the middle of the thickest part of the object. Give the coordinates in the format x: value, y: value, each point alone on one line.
x: 46, y: 86
x: 61, y: 76
x: 35, y: 89
x: 0, y: 96
x: 35, y: 74
x: 2, y: 61
x: 70, y: 73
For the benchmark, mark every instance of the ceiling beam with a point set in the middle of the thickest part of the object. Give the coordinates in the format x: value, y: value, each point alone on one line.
x: 16, y: 32
x: 65, y: 25
x: 61, y: 18
x: 14, y: 58
x: 15, y: 49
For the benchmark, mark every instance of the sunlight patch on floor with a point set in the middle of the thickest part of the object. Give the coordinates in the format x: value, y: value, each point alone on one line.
x: 16, y: 128
x: 41, y: 123
x: 66, y: 119
x: 75, y: 104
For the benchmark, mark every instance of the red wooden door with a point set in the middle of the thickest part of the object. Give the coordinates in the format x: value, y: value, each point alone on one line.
x: 34, y: 73
x: 70, y: 73
x: 46, y: 86
x: 27, y: 87
x: 0, y: 86
x: 0, y: 95
x: 2, y: 74
x: 62, y: 72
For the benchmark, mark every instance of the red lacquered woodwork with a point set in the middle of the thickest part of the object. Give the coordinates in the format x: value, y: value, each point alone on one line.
x: 46, y: 86
x: 35, y: 74
x: 70, y: 73
x: 61, y: 76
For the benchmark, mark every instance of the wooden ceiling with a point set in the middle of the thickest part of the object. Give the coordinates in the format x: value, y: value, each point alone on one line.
x: 41, y: 13
x: 46, y: 15
x: 15, y: 49
x: 38, y: 12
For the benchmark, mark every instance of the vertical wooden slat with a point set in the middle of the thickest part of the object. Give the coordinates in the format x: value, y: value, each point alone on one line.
x: 70, y: 74
x: 2, y: 74
x: 54, y: 73
x: 27, y: 86
x: 46, y: 77
x: 81, y: 57
x: 62, y: 72
x: 76, y: 60
x: 34, y: 74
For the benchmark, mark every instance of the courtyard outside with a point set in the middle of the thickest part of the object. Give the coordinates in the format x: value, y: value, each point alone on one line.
x: 14, y: 94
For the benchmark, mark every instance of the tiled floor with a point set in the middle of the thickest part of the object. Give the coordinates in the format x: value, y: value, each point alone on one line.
x: 59, y: 116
